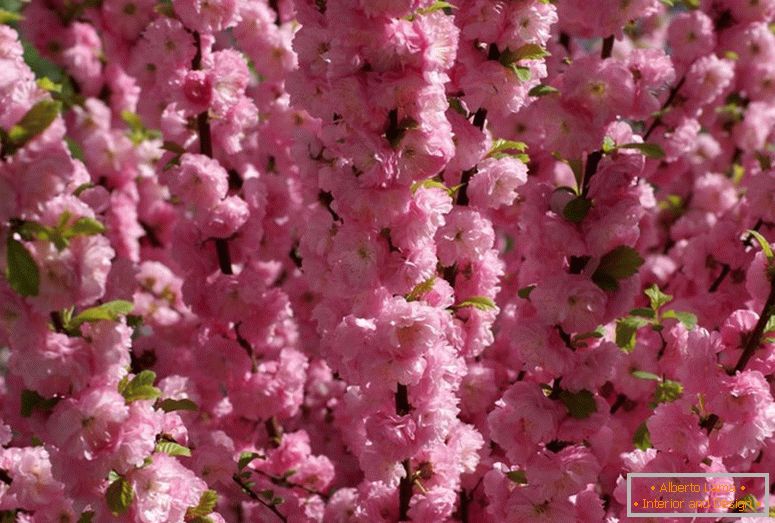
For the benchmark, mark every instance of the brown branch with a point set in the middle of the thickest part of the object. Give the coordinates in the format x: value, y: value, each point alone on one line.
x: 255, y: 497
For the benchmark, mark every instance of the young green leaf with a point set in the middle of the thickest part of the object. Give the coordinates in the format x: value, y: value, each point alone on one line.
x: 542, y: 90
x: 645, y: 375
x: 206, y: 505
x: 84, y: 226
x: 626, y: 331
x: 765, y: 245
x: 643, y: 313
x: 482, y: 303
x: 641, y: 439
x: 657, y: 298
x: 517, y: 476
x: 172, y: 448
x: 622, y: 262
x: 119, y: 496
x: 170, y: 405
x: 110, y: 311
x: 524, y: 292
x: 33, y: 123
x: 650, y: 150
x: 580, y: 405
x: 140, y: 387
x: 668, y: 391
x: 21, y: 270
x: 421, y: 289
x: 577, y: 209
x: 609, y: 145
x: 688, y: 319
x: 245, y: 458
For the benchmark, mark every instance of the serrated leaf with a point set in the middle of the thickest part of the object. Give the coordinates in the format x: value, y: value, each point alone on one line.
x: 482, y: 303
x: 645, y: 375
x: 430, y: 183
x: 517, y: 476
x: 119, y: 496
x: 522, y: 72
x: 172, y: 448
x: 140, y: 387
x: 577, y: 209
x: 421, y: 289
x: 246, y: 458
x: 524, y: 292
x: 642, y: 439
x: 438, y: 5
x: 765, y: 245
x: 500, y: 146
x: 31, y: 401
x: 171, y: 405
x: 656, y: 297
x: 525, y: 52
x: 85, y: 226
x: 688, y: 319
x: 206, y: 505
x: 21, y: 271
x: 580, y: 405
x: 110, y: 311
x: 33, y: 123
x: 626, y: 331
x: 643, y: 313
x: 621, y: 262
x: 542, y: 90
x: 650, y: 150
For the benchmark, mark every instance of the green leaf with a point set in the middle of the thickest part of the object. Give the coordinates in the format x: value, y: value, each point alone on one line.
x: 110, y: 311
x: 524, y: 292
x: 525, y: 52
x: 33, y: 123
x: 642, y: 439
x: 86, y: 517
x: 245, y: 458
x: 500, y: 146
x: 207, y: 502
x: 430, y: 183
x: 21, y: 270
x: 517, y: 476
x: 172, y: 448
x: 765, y: 245
x: 626, y: 331
x: 657, y: 298
x: 173, y: 147
x: 668, y: 391
x: 609, y: 145
x: 49, y: 85
x: 643, y: 313
x: 522, y: 72
x: 32, y: 401
x: 140, y: 387
x: 580, y: 405
x: 650, y: 150
x: 595, y: 334
x: 645, y: 375
x: 577, y: 209
x: 170, y: 405
x: 119, y: 496
x: 668, y: 3
x: 421, y: 289
x: 542, y: 90
x: 438, y: 5
x: 7, y: 17
x: 688, y: 319
x: 621, y: 262
x: 483, y: 303
x: 85, y: 226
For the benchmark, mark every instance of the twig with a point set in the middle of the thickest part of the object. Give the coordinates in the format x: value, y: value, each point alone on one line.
x: 255, y: 497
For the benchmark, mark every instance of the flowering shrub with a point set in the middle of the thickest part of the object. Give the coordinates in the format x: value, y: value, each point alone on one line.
x: 371, y: 260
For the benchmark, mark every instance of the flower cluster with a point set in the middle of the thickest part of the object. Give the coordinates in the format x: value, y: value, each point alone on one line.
x: 371, y: 260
